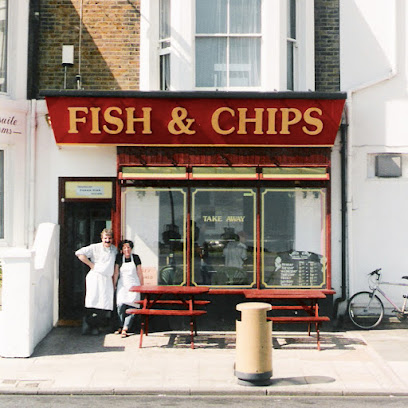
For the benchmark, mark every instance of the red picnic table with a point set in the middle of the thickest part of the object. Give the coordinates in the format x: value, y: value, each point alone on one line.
x: 183, y: 302
x: 307, y: 300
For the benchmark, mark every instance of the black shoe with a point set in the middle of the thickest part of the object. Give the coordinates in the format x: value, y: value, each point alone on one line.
x: 85, y: 327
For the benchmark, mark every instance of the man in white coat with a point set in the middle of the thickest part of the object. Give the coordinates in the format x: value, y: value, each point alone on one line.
x: 99, y: 281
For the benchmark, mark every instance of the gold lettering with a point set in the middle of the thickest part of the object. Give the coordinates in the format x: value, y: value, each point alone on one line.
x: 95, y: 120
x: 310, y: 120
x: 147, y: 130
x: 216, y: 124
x: 286, y: 122
x: 73, y: 119
x: 212, y: 218
x: 235, y: 218
x: 179, y: 114
x: 272, y: 121
x: 243, y: 120
x: 113, y: 120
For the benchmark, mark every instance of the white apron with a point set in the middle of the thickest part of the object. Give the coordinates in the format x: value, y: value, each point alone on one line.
x: 99, y: 285
x: 128, y: 277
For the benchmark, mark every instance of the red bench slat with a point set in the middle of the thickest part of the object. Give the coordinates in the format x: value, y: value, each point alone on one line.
x: 298, y: 319
x: 165, y: 312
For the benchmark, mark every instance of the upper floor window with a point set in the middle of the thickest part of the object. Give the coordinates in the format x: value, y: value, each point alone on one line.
x: 228, y: 43
x: 3, y: 45
x: 251, y: 45
x: 164, y: 44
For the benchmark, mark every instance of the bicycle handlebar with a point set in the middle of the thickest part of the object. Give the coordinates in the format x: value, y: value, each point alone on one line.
x: 376, y: 272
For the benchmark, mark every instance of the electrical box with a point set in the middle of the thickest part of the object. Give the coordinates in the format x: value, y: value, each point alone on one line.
x: 67, y: 55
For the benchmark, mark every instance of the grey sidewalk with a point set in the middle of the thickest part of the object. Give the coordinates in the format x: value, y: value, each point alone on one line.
x: 350, y: 363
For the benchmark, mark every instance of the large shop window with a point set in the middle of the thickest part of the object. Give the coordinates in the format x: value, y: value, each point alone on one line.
x: 156, y: 220
x: 224, y: 236
x: 210, y: 236
x: 293, y: 237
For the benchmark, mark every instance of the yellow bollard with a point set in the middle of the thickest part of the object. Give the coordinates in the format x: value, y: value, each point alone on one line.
x: 253, y: 365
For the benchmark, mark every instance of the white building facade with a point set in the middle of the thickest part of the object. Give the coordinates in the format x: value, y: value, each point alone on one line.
x: 275, y: 53
x: 374, y: 74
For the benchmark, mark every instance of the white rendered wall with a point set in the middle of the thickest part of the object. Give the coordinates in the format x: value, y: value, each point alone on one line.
x: 30, y: 293
x: 17, y: 49
x: 368, y: 40
x: 374, y: 72
x: 13, y: 139
x: 54, y: 161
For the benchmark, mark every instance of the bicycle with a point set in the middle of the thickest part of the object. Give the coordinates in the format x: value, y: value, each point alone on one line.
x: 366, y: 309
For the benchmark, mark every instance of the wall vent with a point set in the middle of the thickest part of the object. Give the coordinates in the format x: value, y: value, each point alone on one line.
x: 388, y: 165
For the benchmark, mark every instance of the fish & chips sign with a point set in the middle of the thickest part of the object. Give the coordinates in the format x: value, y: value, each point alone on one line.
x: 159, y: 121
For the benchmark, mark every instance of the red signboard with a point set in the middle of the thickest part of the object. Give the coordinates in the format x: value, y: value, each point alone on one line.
x: 154, y: 121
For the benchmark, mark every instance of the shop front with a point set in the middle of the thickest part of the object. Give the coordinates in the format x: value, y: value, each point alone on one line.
x: 226, y: 190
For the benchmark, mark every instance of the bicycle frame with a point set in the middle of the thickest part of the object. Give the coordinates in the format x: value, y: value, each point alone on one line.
x: 378, y: 289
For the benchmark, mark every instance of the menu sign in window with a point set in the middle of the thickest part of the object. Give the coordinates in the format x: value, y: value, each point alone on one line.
x: 299, y: 269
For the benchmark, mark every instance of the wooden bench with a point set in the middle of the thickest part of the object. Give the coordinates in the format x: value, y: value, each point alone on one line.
x: 173, y: 302
x: 155, y: 306
x: 307, y: 301
x: 317, y: 320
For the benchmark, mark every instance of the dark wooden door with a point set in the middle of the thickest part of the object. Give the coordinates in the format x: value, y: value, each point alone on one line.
x: 82, y: 223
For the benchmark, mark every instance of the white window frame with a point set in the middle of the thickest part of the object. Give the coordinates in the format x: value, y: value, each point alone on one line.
x: 17, y: 46
x: 273, y: 47
x: 6, y: 46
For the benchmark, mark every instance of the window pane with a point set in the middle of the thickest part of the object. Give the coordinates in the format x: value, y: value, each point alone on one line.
x: 211, y: 68
x: 245, y: 16
x: 211, y: 16
x: 245, y: 59
x: 3, y: 45
x: 164, y: 19
x: 1, y: 194
x: 291, y: 19
x: 224, y: 237
x: 155, y: 220
x: 290, y: 64
x: 293, y: 237
x: 165, y: 72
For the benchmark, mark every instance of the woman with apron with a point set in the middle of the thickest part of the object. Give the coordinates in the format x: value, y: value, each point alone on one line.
x: 128, y: 273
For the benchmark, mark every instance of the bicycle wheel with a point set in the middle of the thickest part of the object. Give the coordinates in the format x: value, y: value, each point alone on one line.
x: 365, y: 310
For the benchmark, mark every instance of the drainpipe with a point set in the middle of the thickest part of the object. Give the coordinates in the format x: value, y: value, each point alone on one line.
x: 344, y: 235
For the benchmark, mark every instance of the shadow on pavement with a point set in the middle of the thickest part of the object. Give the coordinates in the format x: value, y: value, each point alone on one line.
x: 284, y: 341
x: 69, y: 340
x: 306, y: 380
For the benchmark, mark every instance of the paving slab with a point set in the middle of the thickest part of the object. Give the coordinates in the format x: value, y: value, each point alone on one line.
x: 349, y: 363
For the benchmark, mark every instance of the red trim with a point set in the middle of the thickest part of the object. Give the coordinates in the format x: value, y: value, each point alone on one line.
x: 258, y: 239
x: 189, y: 253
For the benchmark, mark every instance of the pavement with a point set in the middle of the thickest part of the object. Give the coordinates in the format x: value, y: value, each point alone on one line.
x: 350, y: 362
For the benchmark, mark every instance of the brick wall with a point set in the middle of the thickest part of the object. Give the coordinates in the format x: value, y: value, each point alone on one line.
x: 106, y: 48
x: 327, y: 45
